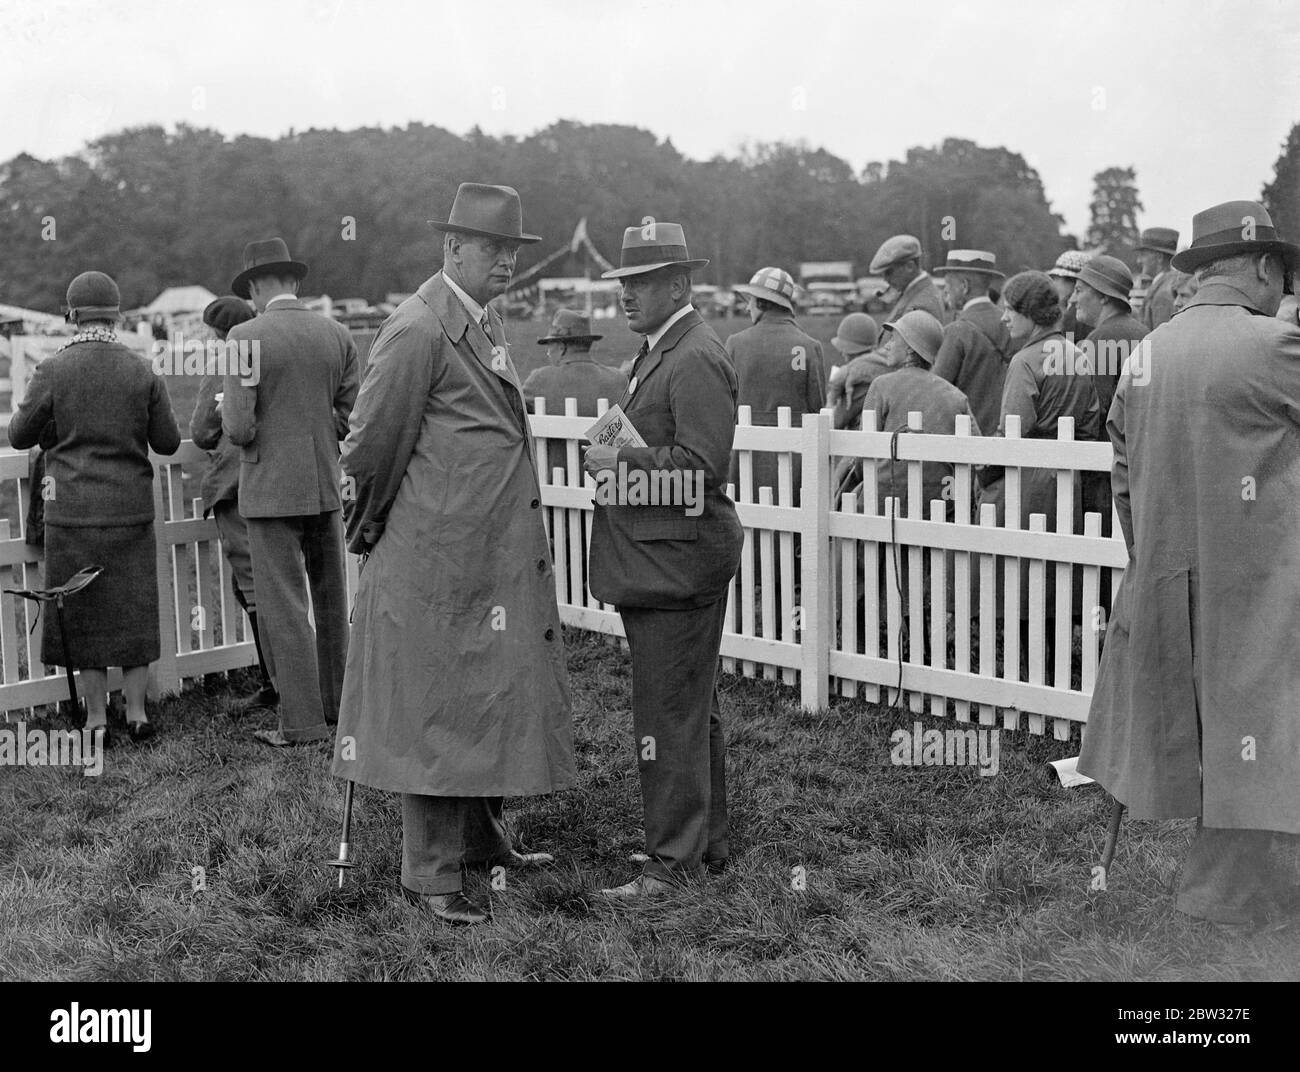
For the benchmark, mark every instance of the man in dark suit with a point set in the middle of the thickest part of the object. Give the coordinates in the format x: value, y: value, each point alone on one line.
x: 976, y: 345
x: 571, y: 373
x: 288, y: 416
x: 667, y: 566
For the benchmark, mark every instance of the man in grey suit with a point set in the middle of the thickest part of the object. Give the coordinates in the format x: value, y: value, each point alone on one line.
x: 289, y: 416
x: 666, y: 565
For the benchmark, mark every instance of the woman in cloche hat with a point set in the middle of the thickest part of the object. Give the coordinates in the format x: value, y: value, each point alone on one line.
x: 111, y: 410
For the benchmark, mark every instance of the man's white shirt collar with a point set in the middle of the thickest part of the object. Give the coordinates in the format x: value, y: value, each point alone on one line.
x: 653, y: 340
x: 282, y: 297
x: 476, y: 311
x: 976, y: 301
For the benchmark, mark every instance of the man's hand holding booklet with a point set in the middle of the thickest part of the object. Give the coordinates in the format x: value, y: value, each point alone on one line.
x: 614, y: 429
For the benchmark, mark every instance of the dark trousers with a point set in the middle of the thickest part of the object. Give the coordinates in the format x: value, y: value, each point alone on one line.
x: 308, y: 667
x: 1238, y: 876
x: 439, y: 834
x: 676, y: 719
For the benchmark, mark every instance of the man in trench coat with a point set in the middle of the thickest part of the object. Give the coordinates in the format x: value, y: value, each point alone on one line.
x: 455, y: 693
x: 1194, y: 711
x: 667, y: 566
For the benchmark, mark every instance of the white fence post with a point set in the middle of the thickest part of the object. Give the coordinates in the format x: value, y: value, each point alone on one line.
x: 815, y: 511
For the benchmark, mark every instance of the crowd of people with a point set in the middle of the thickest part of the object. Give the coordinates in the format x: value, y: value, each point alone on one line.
x: 448, y: 683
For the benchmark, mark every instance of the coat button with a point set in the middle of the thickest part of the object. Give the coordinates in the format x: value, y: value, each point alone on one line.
x: 535, y: 503
x: 541, y: 565
x: 550, y: 634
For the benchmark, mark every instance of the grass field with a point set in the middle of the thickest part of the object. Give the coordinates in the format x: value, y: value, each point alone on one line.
x: 910, y: 873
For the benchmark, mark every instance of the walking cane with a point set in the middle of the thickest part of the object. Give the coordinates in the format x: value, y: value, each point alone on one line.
x: 74, y: 584
x: 344, y: 862
x: 1112, y: 835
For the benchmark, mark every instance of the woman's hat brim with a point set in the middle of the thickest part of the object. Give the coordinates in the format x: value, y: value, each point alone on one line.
x: 455, y: 228
x: 641, y: 269
x: 96, y: 312
x: 852, y: 349
x: 765, y: 294
x: 240, y: 285
x: 1190, y: 259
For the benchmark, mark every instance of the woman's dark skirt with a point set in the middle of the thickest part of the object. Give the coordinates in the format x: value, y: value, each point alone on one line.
x: 114, y: 620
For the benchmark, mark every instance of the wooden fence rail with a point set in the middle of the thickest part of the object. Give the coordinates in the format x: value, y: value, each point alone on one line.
x: 807, y: 606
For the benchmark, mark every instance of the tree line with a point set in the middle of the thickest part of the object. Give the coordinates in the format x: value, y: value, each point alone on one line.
x: 158, y: 208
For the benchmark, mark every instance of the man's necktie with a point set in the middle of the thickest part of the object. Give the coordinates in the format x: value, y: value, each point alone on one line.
x: 486, y: 325
x: 636, y: 364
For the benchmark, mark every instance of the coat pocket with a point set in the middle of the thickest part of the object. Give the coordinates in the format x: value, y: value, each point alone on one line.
x: 665, y: 528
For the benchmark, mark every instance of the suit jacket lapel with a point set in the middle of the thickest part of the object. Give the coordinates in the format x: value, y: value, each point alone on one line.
x: 651, y: 361
x: 454, y: 318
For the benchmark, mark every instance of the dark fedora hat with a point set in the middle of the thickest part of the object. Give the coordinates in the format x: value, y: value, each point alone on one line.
x: 569, y: 325
x: 651, y: 247
x: 270, y: 256
x: 224, y: 313
x: 1233, y: 227
x: 1159, y: 240
x: 487, y: 211
x: 1109, y: 276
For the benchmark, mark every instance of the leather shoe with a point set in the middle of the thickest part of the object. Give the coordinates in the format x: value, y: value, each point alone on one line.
x: 453, y: 908
x: 140, y: 731
x: 641, y: 887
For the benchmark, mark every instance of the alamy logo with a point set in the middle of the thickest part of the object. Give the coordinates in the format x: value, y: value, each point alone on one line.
x: 76, y: 1024
x: 23, y: 747
x: 919, y: 747
x: 651, y: 487
x: 209, y: 357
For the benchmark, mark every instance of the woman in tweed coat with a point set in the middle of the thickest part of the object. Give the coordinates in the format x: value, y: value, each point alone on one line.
x: 106, y: 408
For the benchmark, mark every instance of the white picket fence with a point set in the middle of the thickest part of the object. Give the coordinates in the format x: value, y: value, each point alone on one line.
x: 792, y: 612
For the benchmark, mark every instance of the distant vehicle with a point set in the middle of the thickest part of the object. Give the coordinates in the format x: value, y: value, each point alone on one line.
x: 828, y: 288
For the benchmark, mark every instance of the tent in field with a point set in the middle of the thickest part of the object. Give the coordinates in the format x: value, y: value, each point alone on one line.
x: 570, y: 276
x: 175, y: 301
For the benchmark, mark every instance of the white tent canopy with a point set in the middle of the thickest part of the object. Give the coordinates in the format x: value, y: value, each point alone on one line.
x: 32, y: 320
x: 175, y: 300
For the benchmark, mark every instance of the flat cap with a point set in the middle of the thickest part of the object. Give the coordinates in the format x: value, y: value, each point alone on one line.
x: 899, y: 248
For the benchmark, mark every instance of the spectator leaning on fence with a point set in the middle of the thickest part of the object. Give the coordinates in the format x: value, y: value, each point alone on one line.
x: 1194, y: 710
x: 1048, y: 378
x: 914, y: 387
x: 776, y: 365
x: 107, y: 409
x: 976, y: 346
x: 289, y: 417
x: 571, y: 373
x: 220, y: 488
x: 857, y: 336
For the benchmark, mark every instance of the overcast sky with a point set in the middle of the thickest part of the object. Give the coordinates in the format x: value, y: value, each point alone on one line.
x: 1197, y: 95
